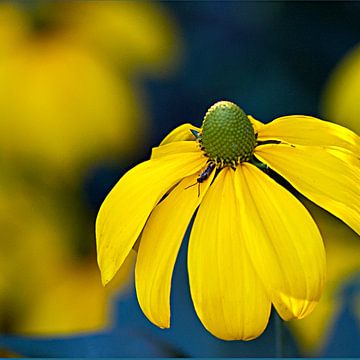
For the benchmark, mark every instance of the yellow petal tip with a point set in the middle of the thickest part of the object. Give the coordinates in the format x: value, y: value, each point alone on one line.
x: 159, y: 322
x: 105, y: 281
x: 106, y: 277
x: 165, y: 326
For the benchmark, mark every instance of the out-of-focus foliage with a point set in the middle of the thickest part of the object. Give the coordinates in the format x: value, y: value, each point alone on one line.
x: 4, y: 353
x: 70, y: 96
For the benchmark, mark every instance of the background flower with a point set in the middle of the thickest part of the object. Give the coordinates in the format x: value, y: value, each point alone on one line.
x: 66, y: 101
x: 68, y: 96
x: 48, y: 285
x: 342, y: 91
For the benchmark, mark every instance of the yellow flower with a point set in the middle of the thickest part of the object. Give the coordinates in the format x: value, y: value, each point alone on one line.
x: 252, y: 243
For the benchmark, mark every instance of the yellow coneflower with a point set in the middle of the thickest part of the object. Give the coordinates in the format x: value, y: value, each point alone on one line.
x: 252, y: 244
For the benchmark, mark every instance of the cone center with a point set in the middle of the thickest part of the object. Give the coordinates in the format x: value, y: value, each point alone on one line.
x: 227, y: 136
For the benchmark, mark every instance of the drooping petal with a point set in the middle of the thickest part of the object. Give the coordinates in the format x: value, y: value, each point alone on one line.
x: 307, y: 130
x: 257, y: 125
x: 283, y: 242
x: 325, y: 179
x: 228, y: 296
x: 175, y: 148
x: 126, y: 208
x: 159, y: 246
x: 181, y: 133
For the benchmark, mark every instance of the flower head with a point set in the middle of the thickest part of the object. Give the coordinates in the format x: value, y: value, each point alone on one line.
x: 252, y: 244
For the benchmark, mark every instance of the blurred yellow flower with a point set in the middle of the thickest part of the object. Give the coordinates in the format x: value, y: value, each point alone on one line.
x: 44, y: 286
x: 133, y: 35
x: 13, y: 28
x: 252, y: 244
x: 62, y: 108
x: 69, y: 96
x: 65, y: 101
x: 342, y: 92
x: 75, y: 302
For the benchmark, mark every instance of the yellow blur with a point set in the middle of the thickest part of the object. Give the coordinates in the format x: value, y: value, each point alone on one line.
x: 342, y: 92
x: 69, y: 98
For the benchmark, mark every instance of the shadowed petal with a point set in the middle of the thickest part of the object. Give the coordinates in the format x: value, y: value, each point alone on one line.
x: 181, y: 133
x: 175, y: 148
x: 283, y: 242
x: 159, y: 246
x: 126, y: 208
x: 325, y: 179
x: 227, y: 294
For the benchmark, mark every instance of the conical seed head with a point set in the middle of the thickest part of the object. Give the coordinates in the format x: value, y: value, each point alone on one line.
x: 227, y: 134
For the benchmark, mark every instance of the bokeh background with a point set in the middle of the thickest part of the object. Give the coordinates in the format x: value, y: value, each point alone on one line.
x: 86, y: 89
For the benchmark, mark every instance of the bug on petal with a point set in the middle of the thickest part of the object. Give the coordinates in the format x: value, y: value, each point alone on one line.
x: 203, y: 176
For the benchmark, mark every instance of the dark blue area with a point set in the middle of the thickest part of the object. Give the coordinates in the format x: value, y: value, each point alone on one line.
x: 343, y: 340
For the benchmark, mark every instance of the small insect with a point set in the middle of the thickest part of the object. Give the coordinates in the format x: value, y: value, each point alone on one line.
x: 203, y: 176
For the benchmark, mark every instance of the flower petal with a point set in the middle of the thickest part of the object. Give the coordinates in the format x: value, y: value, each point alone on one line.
x: 159, y: 246
x: 126, y: 208
x: 227, y: 294
x: 257, y: 125
x: 325, y: 179
x: 181, y: 133
x: 307, y: 130
x: 345, y: 155
x: 175, y: 148
x: 283, y: 242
